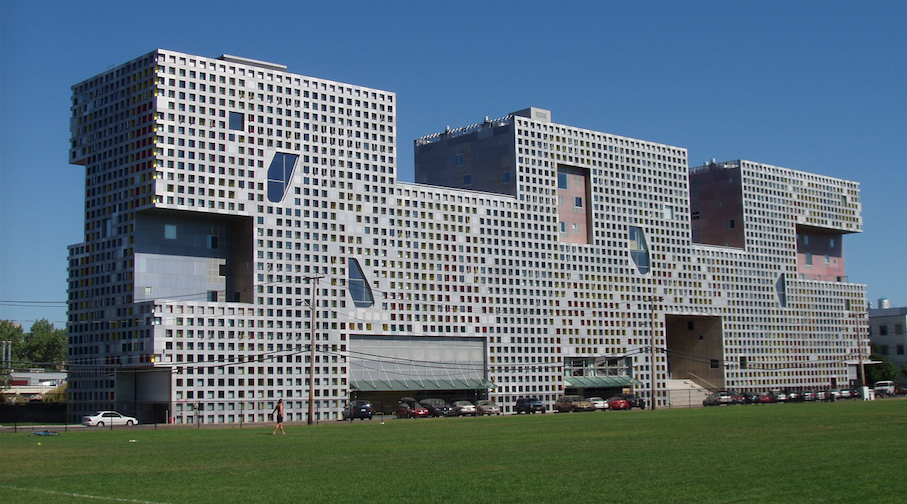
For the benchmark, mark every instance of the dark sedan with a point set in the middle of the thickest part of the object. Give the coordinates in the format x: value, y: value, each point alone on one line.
x: 436, y: 407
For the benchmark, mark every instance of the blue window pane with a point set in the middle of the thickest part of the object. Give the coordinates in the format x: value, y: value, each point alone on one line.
x: 236, y: 121
x: 561, y: 180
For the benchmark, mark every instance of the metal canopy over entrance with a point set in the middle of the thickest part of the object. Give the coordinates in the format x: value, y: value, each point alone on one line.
x: 600, y: 381
x: 419, y: 385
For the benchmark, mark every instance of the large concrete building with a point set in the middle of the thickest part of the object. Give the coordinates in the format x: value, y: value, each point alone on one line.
x: 886, y: 332
x: 225, y: 197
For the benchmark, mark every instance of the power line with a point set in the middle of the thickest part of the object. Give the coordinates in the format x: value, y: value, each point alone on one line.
x: 16, y: 302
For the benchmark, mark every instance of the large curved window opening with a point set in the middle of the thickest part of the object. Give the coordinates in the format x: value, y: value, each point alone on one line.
x: 781, y: 290
x: 359, y: 288
x: 639, y: 250
x: 280, y: 172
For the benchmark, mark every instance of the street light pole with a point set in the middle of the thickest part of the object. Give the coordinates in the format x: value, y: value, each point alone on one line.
x: 312, y: 307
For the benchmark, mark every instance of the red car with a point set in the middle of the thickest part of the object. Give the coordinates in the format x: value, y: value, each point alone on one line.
x: 406, y: 411
x: 618, y: 403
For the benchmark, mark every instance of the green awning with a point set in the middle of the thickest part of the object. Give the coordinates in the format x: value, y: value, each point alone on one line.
x: 599, y: 381
x: 407, y: 385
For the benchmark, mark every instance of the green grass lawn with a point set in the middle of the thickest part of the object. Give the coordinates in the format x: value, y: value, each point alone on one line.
x: 833, y: 452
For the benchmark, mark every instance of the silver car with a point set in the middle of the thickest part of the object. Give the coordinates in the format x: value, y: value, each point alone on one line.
x: 461, y: 408
x: 486, y: 407
x: 598, y: 403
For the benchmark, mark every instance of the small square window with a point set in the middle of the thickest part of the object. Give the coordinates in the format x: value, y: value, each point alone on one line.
x: 169, y: 231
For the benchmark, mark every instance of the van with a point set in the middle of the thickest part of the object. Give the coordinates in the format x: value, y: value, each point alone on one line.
x: 529, y: 405
x: 884, y: 387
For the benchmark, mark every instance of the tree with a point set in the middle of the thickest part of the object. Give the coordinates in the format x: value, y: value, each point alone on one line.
x: 13, y: 333
x: 44, y: 346
x: 885, y: 370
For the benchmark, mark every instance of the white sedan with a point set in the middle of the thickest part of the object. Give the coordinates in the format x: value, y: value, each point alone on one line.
x: 102, y: 418
x: 598, y: 403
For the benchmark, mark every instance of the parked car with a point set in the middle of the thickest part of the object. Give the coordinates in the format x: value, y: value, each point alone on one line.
x: 102, y: 418
x: 763, y: 398
x: 750, y: 398
x: 529, y: 405
x: 598, y: 403
x: 404, y: 410
x: 884, y: 387
x: 569, y: 403
x: 778, y: 396
x: 436, y: 407
x: 722, y: 397
x: 462, y: 408
x: 358, y: 409
x: 486, y: 407
x: 634, y: 400
x: 618, y: 403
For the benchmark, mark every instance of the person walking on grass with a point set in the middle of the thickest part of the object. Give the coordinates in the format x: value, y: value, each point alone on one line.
x: 278, y: 410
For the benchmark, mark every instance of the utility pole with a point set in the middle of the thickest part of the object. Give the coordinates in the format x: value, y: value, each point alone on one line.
x: 313, y: 313
x: 652, y: 301
x: 858, y: 328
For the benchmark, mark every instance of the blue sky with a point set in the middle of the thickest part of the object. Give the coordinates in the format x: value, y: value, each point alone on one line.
x: 813, y: 86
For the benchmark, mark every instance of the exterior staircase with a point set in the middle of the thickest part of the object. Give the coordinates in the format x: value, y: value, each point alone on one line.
x: 685, y: 394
